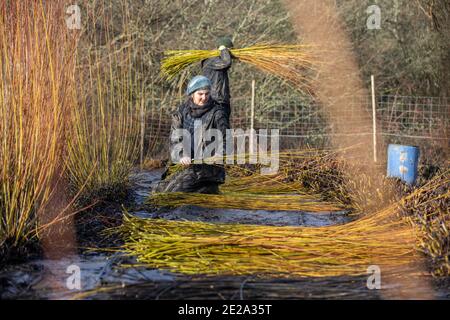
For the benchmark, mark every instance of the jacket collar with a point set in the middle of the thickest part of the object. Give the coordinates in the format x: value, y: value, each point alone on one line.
x: 197, y: 111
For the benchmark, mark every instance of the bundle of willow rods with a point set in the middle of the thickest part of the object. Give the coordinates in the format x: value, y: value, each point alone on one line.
x: 248, y: 189
x: 380, y: 237
x: 225, y: 249
x: 252, y: 192
x: 288, y: 62
x: 259, y: 184
x: 240, y: 200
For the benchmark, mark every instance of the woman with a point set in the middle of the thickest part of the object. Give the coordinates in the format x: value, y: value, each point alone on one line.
x: 199, y: 106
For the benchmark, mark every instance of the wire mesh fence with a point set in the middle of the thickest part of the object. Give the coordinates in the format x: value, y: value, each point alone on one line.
x: 422, y: 121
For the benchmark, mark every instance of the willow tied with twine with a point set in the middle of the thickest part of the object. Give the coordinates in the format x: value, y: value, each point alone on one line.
x: 290, y: 62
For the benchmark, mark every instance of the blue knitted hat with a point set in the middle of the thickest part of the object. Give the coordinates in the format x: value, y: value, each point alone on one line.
x: 225, y: 41
x: 197, y: 83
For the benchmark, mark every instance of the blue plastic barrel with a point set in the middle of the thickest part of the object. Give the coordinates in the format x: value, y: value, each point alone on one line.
x: 402, y: 162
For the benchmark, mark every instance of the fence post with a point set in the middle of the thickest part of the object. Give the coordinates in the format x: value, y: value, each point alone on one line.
x: 142, y: 114
x: 252, y: 117
x: 374, y: 119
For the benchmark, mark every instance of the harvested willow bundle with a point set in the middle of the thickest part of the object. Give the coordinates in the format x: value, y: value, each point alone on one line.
x: 259, y: 184
x: 242, y: 200
x: 223, y: 249
x: 246, y: 188
x: 381, y: 237
x: 288, y: 62
x: 252, y: 192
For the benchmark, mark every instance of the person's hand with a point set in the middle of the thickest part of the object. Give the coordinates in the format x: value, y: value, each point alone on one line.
x: 185, y: 161
x: 222, y: 47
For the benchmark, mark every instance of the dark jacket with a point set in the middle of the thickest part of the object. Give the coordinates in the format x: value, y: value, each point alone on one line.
x: 212, y: 117
x: 216, y: 70
x: 197, y: 176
